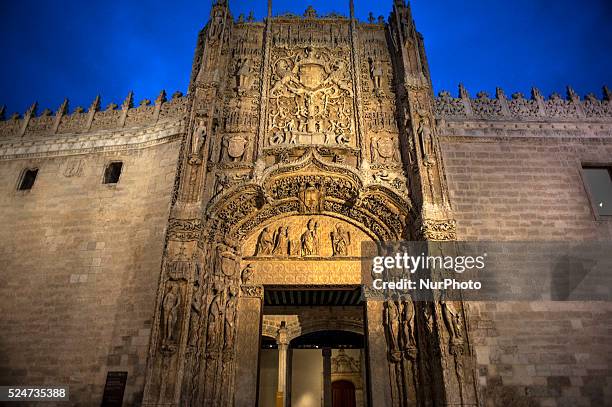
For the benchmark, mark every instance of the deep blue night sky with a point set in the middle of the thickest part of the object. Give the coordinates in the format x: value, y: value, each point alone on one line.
x: 77, y: 49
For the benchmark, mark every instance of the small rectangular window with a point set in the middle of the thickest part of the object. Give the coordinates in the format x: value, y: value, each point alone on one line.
x: 113, y: 172
x: 27, y: 179
x: 599, y: 182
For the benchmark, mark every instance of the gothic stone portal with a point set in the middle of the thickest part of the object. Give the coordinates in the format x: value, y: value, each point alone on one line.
x: 303, y: 138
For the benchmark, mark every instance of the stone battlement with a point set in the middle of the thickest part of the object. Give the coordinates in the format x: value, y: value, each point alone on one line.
x: 80, y: 121
x: 517, y: 107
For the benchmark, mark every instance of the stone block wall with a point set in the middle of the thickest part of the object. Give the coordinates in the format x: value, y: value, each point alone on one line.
x: 79, y: 268
x: 522, y: 181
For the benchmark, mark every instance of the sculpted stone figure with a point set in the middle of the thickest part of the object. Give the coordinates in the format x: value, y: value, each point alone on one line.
x: 281, y: 241
x: 408, y: 339
x: 312, y: 198
x: 452, y: 320
x: 391, y: 321
x: 247, y: 274
x: 425, y: 140
x: 376, y: 70
x: 341, y: 240
x: 198, y: 137
x: 194, y: 319
x: 310, y: 239
x: 221, y: 183
x: 244, y: 70
x: 215, y: 318
x: 265, y: 243
x: 230, y: 319
x: 170, y: 312
x: 216, y: 24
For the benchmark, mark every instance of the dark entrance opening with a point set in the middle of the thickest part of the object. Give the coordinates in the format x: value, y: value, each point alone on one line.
x: 343, y: 394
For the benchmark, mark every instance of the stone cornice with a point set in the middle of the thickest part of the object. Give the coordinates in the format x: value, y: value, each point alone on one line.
x: 94, y: 142
x: 481, y: 130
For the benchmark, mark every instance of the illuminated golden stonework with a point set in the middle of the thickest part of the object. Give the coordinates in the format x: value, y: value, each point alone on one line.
x: 318, y: 136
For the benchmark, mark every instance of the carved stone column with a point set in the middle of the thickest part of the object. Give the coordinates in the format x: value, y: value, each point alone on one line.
x: 327, y: 383
x: 377, y: 372
x: 248, y: 338
x: 283, y: 344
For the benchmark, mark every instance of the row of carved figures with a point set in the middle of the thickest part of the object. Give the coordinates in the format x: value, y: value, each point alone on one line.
x: 279, y: 243
x: 212, y: 306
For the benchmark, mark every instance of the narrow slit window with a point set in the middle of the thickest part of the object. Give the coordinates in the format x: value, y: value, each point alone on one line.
x: 599, y: 182
x: 113, y: 172
x: 27, y: 179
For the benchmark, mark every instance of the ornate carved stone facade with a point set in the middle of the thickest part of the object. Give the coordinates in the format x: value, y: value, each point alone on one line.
x: 301, y: 137
x: 306, y: 136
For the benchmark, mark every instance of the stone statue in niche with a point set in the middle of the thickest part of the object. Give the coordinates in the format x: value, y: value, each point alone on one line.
x: 230, y: 319
x: 215, y: 320
x: 310, y: 239
x: 194, y: 319
x: 392, y: 325
x: 408, y: 339
x: 376, y: 72
x: 340, y: 240
x: 452, y: 320
x: 265, y: 243
x: 281, y: 241
x: 234, y: 147
x: 170, y: 306
x: 383, y: 150
x: 242, y: 75
x: 425, y: 140
x: 312, y: 198
x: 198, y: 138
x: 247, y: 274
x: 216, y: 24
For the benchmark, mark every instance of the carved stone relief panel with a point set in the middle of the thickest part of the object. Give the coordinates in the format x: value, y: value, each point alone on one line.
x: 291, y: 30
x: 382, y: 139
x: 310, y: 97
x: 301, y: 236
x: 332, y: 271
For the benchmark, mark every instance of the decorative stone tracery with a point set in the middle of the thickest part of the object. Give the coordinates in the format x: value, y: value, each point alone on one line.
x: 300, y: 144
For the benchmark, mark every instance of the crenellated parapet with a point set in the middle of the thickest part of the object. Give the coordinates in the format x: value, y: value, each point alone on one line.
x: 113, y: 117
x: 518, y: 107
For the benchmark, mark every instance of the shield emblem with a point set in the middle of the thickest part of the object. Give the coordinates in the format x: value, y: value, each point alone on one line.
x: 385, y: 147
x: 235, y: 146
x: 228, y: 265
x: 311, y: 75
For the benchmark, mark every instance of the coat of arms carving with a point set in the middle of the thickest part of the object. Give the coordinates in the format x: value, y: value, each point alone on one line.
x: 310, y: 97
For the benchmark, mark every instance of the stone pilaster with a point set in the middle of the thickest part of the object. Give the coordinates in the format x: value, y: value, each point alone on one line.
x: 248, y: 340
x: 378, y: 379
x: 327, y: 383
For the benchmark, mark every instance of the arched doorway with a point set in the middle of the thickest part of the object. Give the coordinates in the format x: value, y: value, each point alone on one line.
x: 313, y: 347
x: 343, y: 394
